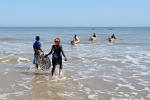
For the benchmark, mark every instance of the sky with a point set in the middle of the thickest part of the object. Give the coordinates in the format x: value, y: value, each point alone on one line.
x: 74, y: 13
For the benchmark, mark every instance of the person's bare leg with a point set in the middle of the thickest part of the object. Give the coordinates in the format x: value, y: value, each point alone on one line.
x: 36, y: 66
x: 53, y: 69
x: 60, y: 68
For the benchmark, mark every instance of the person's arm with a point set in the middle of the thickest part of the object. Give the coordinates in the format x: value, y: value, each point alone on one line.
x: 49, y: 52
x: 63, y: 53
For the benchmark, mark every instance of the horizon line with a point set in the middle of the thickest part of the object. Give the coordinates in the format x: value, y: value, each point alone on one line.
x: 67, y: 26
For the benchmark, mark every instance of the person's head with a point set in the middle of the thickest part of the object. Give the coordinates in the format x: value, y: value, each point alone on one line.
x: 75, y: 35
x: 57, y: 41
x: 37, y: 38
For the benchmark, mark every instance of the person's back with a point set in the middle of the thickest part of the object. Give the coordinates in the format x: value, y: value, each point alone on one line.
x: 37, y: 51
x: 37, y: 45
x: 75, y: 38
x: 113, y: 36
x: 94, y: 35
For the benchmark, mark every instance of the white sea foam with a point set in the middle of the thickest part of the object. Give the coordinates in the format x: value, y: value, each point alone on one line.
x: 123, y: 80
x: 56, y: 78
x: 147, y: 89
x: 66, y: 94
x: 141, y: 83
x: 80, y: 86
x: 109, y: 77
x: 127, y: 85
x: 4, y: 96
x: 106, y: 80
x: 148, y: 96
x: 126, y: 95
x: 4, y: 43
x: 124, y: 99
x: 116, y: 68
x: 144, y: 73
x: 87, y: 90
x: 20, y: 59
x: 134, y: 93
x: 109, y: 59
x: 4, y: 61
x: 93, y: 97
x: 25, y: 59
x: 23, y: 84
x: 134, y: 60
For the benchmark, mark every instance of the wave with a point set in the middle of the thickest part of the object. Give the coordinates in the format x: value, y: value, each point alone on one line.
x: 9, y: 39
x: 14, y: 60
x: 133, y: 44
x: 14, y: 39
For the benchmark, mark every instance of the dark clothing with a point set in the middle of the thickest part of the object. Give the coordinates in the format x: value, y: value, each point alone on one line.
x: 75, y: 38
x: 94, y: 35
x: 37, y: 45
x: 113, y: 36
x: 57, y: 56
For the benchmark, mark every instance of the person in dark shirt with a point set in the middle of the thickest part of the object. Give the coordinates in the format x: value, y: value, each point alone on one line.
x: 57, y: 52
x: 75, y: 37
x: 94, y: 35
x: 37, y: 51
x: 113, y: 36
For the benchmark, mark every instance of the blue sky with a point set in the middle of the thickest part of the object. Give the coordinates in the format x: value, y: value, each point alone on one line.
x: 74, y: 13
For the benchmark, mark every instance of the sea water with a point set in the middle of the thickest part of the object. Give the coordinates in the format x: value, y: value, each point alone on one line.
x: 95, y: 70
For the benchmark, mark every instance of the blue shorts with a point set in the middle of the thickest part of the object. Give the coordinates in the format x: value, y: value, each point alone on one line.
x: 36, y: 59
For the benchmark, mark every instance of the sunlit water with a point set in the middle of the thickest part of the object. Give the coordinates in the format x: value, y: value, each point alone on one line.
x: 96, y: 70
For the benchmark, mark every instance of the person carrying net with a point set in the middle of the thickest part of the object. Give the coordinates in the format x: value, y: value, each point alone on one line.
x: 57, y: 52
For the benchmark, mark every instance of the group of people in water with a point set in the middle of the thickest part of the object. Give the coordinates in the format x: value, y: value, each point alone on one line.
x: 56, y: 51
x: 77, y: 39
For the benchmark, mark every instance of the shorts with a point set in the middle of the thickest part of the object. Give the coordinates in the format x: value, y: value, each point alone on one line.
x: 36, y: 59
x: 56, y: 59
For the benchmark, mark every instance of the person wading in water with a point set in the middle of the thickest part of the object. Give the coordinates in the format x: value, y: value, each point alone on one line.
x: 37, y: 51
x: 57, y: 52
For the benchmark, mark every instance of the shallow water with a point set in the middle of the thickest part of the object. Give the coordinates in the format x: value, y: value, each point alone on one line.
x: 96, y: 70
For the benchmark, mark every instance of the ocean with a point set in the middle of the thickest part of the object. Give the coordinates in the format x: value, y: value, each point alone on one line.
x: 95, y: 70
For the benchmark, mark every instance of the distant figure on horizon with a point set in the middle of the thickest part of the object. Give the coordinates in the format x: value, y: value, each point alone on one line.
x: 37, y: 52
x: 56, y: 51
